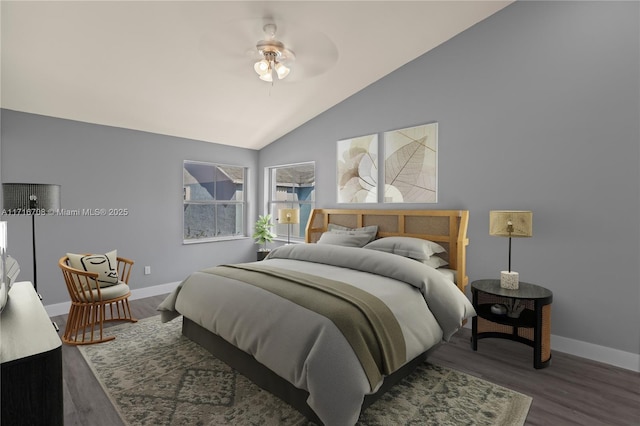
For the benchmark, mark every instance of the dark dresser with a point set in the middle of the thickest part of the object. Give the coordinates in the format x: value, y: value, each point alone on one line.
x: 31, y: 357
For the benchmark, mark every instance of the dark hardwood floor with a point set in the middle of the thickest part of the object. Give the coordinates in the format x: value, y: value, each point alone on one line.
x: 572, y: 391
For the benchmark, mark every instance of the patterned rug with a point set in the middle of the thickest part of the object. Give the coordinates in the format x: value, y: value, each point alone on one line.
x: 155, y: 376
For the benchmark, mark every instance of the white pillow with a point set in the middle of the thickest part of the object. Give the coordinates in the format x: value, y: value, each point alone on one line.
x: 105, y: 265
x: 415, y: 248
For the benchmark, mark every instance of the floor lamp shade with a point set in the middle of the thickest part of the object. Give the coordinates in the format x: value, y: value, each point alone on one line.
x: 510, y: 223
x: 31, y: 199
x: 20, y: 198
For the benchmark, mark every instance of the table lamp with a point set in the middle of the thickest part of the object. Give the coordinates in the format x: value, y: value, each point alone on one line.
x: 290, y: 217
x: 510, y: 223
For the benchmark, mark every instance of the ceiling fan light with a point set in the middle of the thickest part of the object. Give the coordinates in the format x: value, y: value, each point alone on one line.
x: 271, y: 51
x: 262, y: 67
x: 282, y: 70
x: 268, y: 77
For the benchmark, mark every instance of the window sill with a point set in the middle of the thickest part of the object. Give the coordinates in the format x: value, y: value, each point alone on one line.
x: 214, y: 240
x: 292, y: 241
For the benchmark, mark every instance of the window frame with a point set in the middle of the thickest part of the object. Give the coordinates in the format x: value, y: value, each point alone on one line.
x: 242, y: 203
x: 273, y: 204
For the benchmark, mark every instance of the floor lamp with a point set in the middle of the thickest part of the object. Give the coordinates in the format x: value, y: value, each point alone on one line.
x: 31, y: 199
x: 290, y: 217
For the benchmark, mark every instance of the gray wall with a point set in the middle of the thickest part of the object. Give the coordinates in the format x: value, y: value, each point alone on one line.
x: 107, y: 167
x: 538, y: 109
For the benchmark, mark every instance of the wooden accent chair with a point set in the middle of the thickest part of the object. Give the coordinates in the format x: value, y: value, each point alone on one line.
x: 93, y: 305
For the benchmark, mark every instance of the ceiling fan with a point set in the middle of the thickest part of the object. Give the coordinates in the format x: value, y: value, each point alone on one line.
x: 275, y: 56
x: 260, y: 45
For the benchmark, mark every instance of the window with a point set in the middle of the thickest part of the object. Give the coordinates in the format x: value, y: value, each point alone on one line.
x: 292, y: 186
x: 214, y: 201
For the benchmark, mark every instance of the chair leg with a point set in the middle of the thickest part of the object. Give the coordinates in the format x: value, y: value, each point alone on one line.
x: 85, y: 325
x: 120, y: 311
x: 72, y: 324
x: 127, y: 309
x: 85, y: 322
x: 101, y: 315
x: 82, y: 321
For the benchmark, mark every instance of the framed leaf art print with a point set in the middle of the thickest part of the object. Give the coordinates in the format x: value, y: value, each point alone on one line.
x: 411, y: 165
x: 358, y: 170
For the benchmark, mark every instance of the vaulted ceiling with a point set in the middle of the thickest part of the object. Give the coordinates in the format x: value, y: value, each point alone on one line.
x: 186, y: 68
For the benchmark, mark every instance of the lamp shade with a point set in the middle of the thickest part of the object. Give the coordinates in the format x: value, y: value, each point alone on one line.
x: 268, y: 77
x: 21, y: 197
x: 511, y: 223
x: 290, y: 216
x: 281, y: 70
x: 261, y: 67
x: 32, y: 199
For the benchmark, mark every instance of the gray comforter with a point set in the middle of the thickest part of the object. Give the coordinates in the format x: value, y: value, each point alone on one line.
x: 306, y: 348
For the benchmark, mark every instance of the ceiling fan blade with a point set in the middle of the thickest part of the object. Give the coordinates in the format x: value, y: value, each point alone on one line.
x: 315, y: 54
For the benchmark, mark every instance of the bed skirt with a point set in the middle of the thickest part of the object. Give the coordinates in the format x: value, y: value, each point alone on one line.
x: 268, y: 380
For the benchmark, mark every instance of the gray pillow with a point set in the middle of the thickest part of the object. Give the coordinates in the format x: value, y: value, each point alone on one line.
x: 434, y: 262
x: 371, y: 231
x: 345, y: 238
x: 415, y: 248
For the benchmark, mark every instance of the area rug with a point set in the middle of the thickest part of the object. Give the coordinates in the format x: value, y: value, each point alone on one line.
x: 155, y: 376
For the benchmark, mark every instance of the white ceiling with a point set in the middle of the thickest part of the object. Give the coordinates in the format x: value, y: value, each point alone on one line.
x: 182, y: 68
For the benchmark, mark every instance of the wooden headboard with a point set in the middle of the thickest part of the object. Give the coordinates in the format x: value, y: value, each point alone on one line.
x: 446, y: 227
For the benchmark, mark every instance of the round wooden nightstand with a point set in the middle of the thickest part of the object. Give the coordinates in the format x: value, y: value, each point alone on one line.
x: 532, y: 327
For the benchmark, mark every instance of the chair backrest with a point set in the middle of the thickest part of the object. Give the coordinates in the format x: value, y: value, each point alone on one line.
x: 124, y: 269
x: 82, y: 285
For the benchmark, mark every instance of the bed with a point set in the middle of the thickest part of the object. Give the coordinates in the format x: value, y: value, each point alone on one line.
x: 330, y: 325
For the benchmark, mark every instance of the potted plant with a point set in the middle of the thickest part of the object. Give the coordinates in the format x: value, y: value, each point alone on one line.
x: 262, y: 234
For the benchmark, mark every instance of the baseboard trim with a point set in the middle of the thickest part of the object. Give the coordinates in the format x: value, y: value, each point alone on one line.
x: 156, y: 290
x: 606, y: 355
x: 593, y: 352
x: 140, y: 293
x: 610, y: 356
